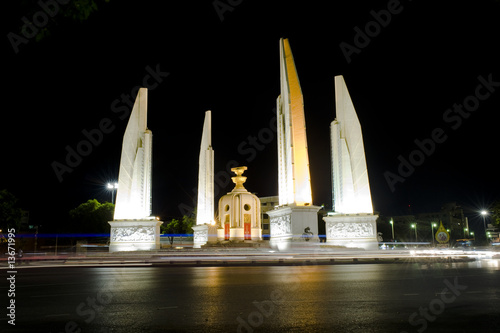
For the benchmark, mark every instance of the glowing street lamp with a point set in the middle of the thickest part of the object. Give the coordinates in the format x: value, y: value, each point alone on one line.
x: 392, y: 226
x: 433, y: 225
x: 485, y: 213
x: 112, y: 187
x: 414, y: 226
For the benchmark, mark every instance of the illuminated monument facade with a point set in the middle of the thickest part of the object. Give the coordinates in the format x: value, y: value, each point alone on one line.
x: 352, y: 223
x: 133, y: 228
x: 239, y: 212
x: 296, y: 211
x: 205, y: 229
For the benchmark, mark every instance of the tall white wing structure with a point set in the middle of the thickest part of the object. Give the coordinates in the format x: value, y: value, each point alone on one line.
x: 351, y: 188
x: 293, y: 159
x: 205, y: 210
x: 133, y: 198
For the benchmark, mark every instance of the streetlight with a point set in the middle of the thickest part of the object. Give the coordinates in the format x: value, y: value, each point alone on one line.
x: 112, y: 188
x: 414, y: 226
x: 484, y: 213
x: 432, y: 228
x: 392, y: 226
x: 465, y: 230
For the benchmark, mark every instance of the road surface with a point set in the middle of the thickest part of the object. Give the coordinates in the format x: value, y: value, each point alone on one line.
x: 438, y: 297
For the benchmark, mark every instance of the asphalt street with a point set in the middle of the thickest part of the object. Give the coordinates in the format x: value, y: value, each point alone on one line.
x: 412, y: 297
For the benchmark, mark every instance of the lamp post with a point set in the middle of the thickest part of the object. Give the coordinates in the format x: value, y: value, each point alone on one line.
x: 484, y: 213
x: 432, y: 228
x: 414, y: 226
x: 112, y: 187
x: 465, y: 230
x: 392, y: 227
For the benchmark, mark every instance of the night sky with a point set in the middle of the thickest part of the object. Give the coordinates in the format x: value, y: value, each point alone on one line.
x: 404, y: 77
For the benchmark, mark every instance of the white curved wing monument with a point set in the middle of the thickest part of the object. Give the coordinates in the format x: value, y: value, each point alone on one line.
x: 205, y: 207
x: 352, y: 223
x: 133, y: 227
x: 293, y: 157
x: 133, y: 198
x: 351, y: 188
x: 205, y: 229
x: 296, y: 211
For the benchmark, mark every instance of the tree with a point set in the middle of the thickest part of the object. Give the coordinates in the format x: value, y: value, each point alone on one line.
x: 176, y: 227
x: 91, y: 217
x: 10, y: 213
x: 74, y: 11
x: 495, y: 213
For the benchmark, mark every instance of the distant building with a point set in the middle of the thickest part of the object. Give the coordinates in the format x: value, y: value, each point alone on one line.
x: 267, y: 204
x: 451, y: 214
x: 493, y: 234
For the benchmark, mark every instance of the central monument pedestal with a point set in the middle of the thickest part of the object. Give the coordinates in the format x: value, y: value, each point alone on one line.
x: 352, y: 230
x: 134, y: 235
x: 293, y: 223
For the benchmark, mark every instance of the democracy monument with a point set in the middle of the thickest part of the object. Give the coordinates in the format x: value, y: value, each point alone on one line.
x: 351, y: 224
x: 133, y: 228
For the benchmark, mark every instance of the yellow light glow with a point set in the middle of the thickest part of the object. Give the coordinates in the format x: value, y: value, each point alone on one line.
x: 300, y: 159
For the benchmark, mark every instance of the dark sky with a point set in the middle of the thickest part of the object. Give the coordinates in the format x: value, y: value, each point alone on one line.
x: 402, y: 80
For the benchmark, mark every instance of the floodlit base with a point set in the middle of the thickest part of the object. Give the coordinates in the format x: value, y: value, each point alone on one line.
x: 203, y: 234
x: 134, y: 235
x: 354, y: 231
x: 288, y: 224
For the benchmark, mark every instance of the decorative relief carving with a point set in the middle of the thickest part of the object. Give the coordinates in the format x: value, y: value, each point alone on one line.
x: 281, y: 225
x: 350, y: 230
x: 133, y: 234
x: 201, y: 236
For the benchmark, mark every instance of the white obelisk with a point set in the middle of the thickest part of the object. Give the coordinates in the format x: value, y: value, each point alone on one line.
x: 351, y: 188
x: 205, y: 210
x: 205, y: 229
x: 293, y: 159
x: 296, y: 217
x: 133, y: 198
x: 352, y: 223
x: 133, y: 227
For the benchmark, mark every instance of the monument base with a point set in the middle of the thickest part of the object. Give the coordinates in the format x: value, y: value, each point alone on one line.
x: 203, y: 234
x: 134, y: 235
x: 238, y: 234
x: 290, y: 224
x: 352, y: 230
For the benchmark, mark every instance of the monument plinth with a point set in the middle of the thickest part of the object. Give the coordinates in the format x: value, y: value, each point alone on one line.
x: 203, y: 234
x: 356, y: 230
x: 133, y: 228
x: 293, y: 223
x: 134, y: 235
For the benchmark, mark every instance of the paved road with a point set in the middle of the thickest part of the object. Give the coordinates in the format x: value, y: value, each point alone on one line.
x: 453, y: 297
